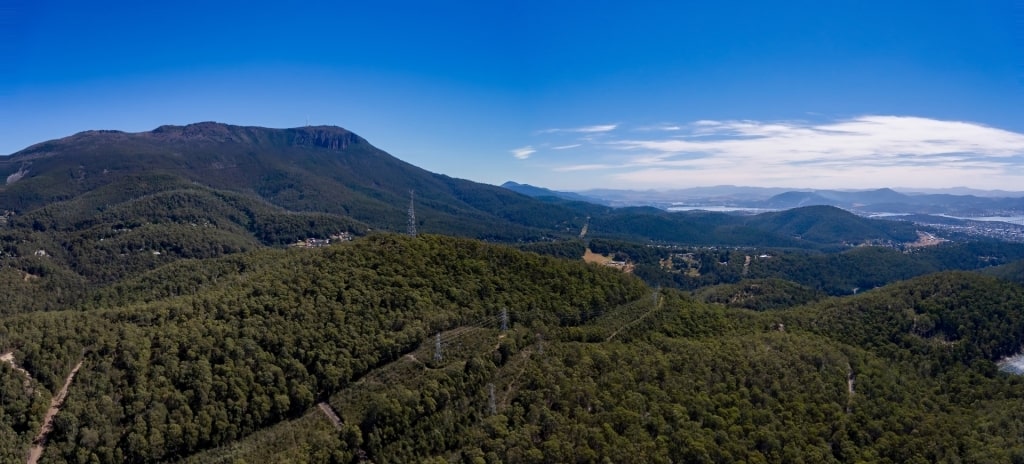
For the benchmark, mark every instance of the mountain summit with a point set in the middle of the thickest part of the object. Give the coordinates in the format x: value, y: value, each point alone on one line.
x: 322, y: 169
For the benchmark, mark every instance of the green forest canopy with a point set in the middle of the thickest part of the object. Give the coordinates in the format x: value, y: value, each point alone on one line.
x: 232, y: 354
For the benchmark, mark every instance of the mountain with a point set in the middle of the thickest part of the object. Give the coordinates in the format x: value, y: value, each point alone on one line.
x: 827, y: 224
x: 843, y: 199
x: 797, y: 199
x: 806, y: 227
x: 308, y: 169
x: 716, y: 195
x: 957, y: 202
x: 274, y: 186
x: 540, y: 192
x: 964, y: 191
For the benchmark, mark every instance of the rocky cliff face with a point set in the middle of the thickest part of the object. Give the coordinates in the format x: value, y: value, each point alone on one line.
x: 329, y: 137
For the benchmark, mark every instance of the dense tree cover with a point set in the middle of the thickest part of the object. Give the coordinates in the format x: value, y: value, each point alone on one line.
x: 760, y: 294
x: 168, y: 378
x: 952, y: 317
x: 639, y: 253
x: 660, y: 378
x: 646, y: 224
x: 828, y: 224
x: 834, y: 273
x: 51, y: 256
x: 310, y: 438
x: 567, y: 249
x: 22, y: 405
x: 691, y: 383
x: 1013, y: 272
x: 36, y: 283
x: 864, y: 268
x: 815, y: 227
x: 674, y: 380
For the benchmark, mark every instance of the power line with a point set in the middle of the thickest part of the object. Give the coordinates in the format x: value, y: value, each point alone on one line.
x: 491, y: 405
x: 437, y: 348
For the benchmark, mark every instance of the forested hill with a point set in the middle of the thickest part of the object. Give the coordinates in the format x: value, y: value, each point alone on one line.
x: 321, y: 169
x: 811, y: 227
x: 222, y: 350
x: 448, y: 350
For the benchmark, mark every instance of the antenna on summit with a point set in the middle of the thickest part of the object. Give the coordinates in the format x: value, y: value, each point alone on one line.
x: 307, y: 120
x: 411, y: 230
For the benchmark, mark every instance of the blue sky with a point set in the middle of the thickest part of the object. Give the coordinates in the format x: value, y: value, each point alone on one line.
x: 566, y: 95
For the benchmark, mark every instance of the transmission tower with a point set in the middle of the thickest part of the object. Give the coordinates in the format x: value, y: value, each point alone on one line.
x: 411, y: 230
x: 492, y: 407
x: 504, y: 319
x: 437, y: 348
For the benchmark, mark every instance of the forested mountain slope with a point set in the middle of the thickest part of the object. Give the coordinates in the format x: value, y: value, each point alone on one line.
x: 813, y: 227
x: 312, y: 169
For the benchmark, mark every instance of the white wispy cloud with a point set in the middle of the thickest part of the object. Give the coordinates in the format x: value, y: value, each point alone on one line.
x: 868, y: 138
x: 582, y: 130
x: 663, y: 127
x: 566, y: 147
x: 585, y: 167
x: 866, y: 151
x: 523, y: 152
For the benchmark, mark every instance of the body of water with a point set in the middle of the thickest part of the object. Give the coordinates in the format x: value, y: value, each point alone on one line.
x: 1019, y: 220
x: 720, y: 209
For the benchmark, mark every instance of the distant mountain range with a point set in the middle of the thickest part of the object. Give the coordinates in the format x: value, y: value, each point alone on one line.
x: 957, y: 201
x: 891, y: 201
x: 540, y: 192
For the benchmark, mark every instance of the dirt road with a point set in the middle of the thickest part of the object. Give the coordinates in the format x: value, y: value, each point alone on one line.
x: 55, y: 404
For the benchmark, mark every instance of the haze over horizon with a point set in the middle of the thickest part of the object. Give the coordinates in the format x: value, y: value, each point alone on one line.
x: 845, y: 95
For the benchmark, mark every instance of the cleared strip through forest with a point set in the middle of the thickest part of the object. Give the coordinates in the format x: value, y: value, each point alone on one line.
x: 657, y: 305
x: 8, y: 357
x: 37, y: 445
x: 329, y: 412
